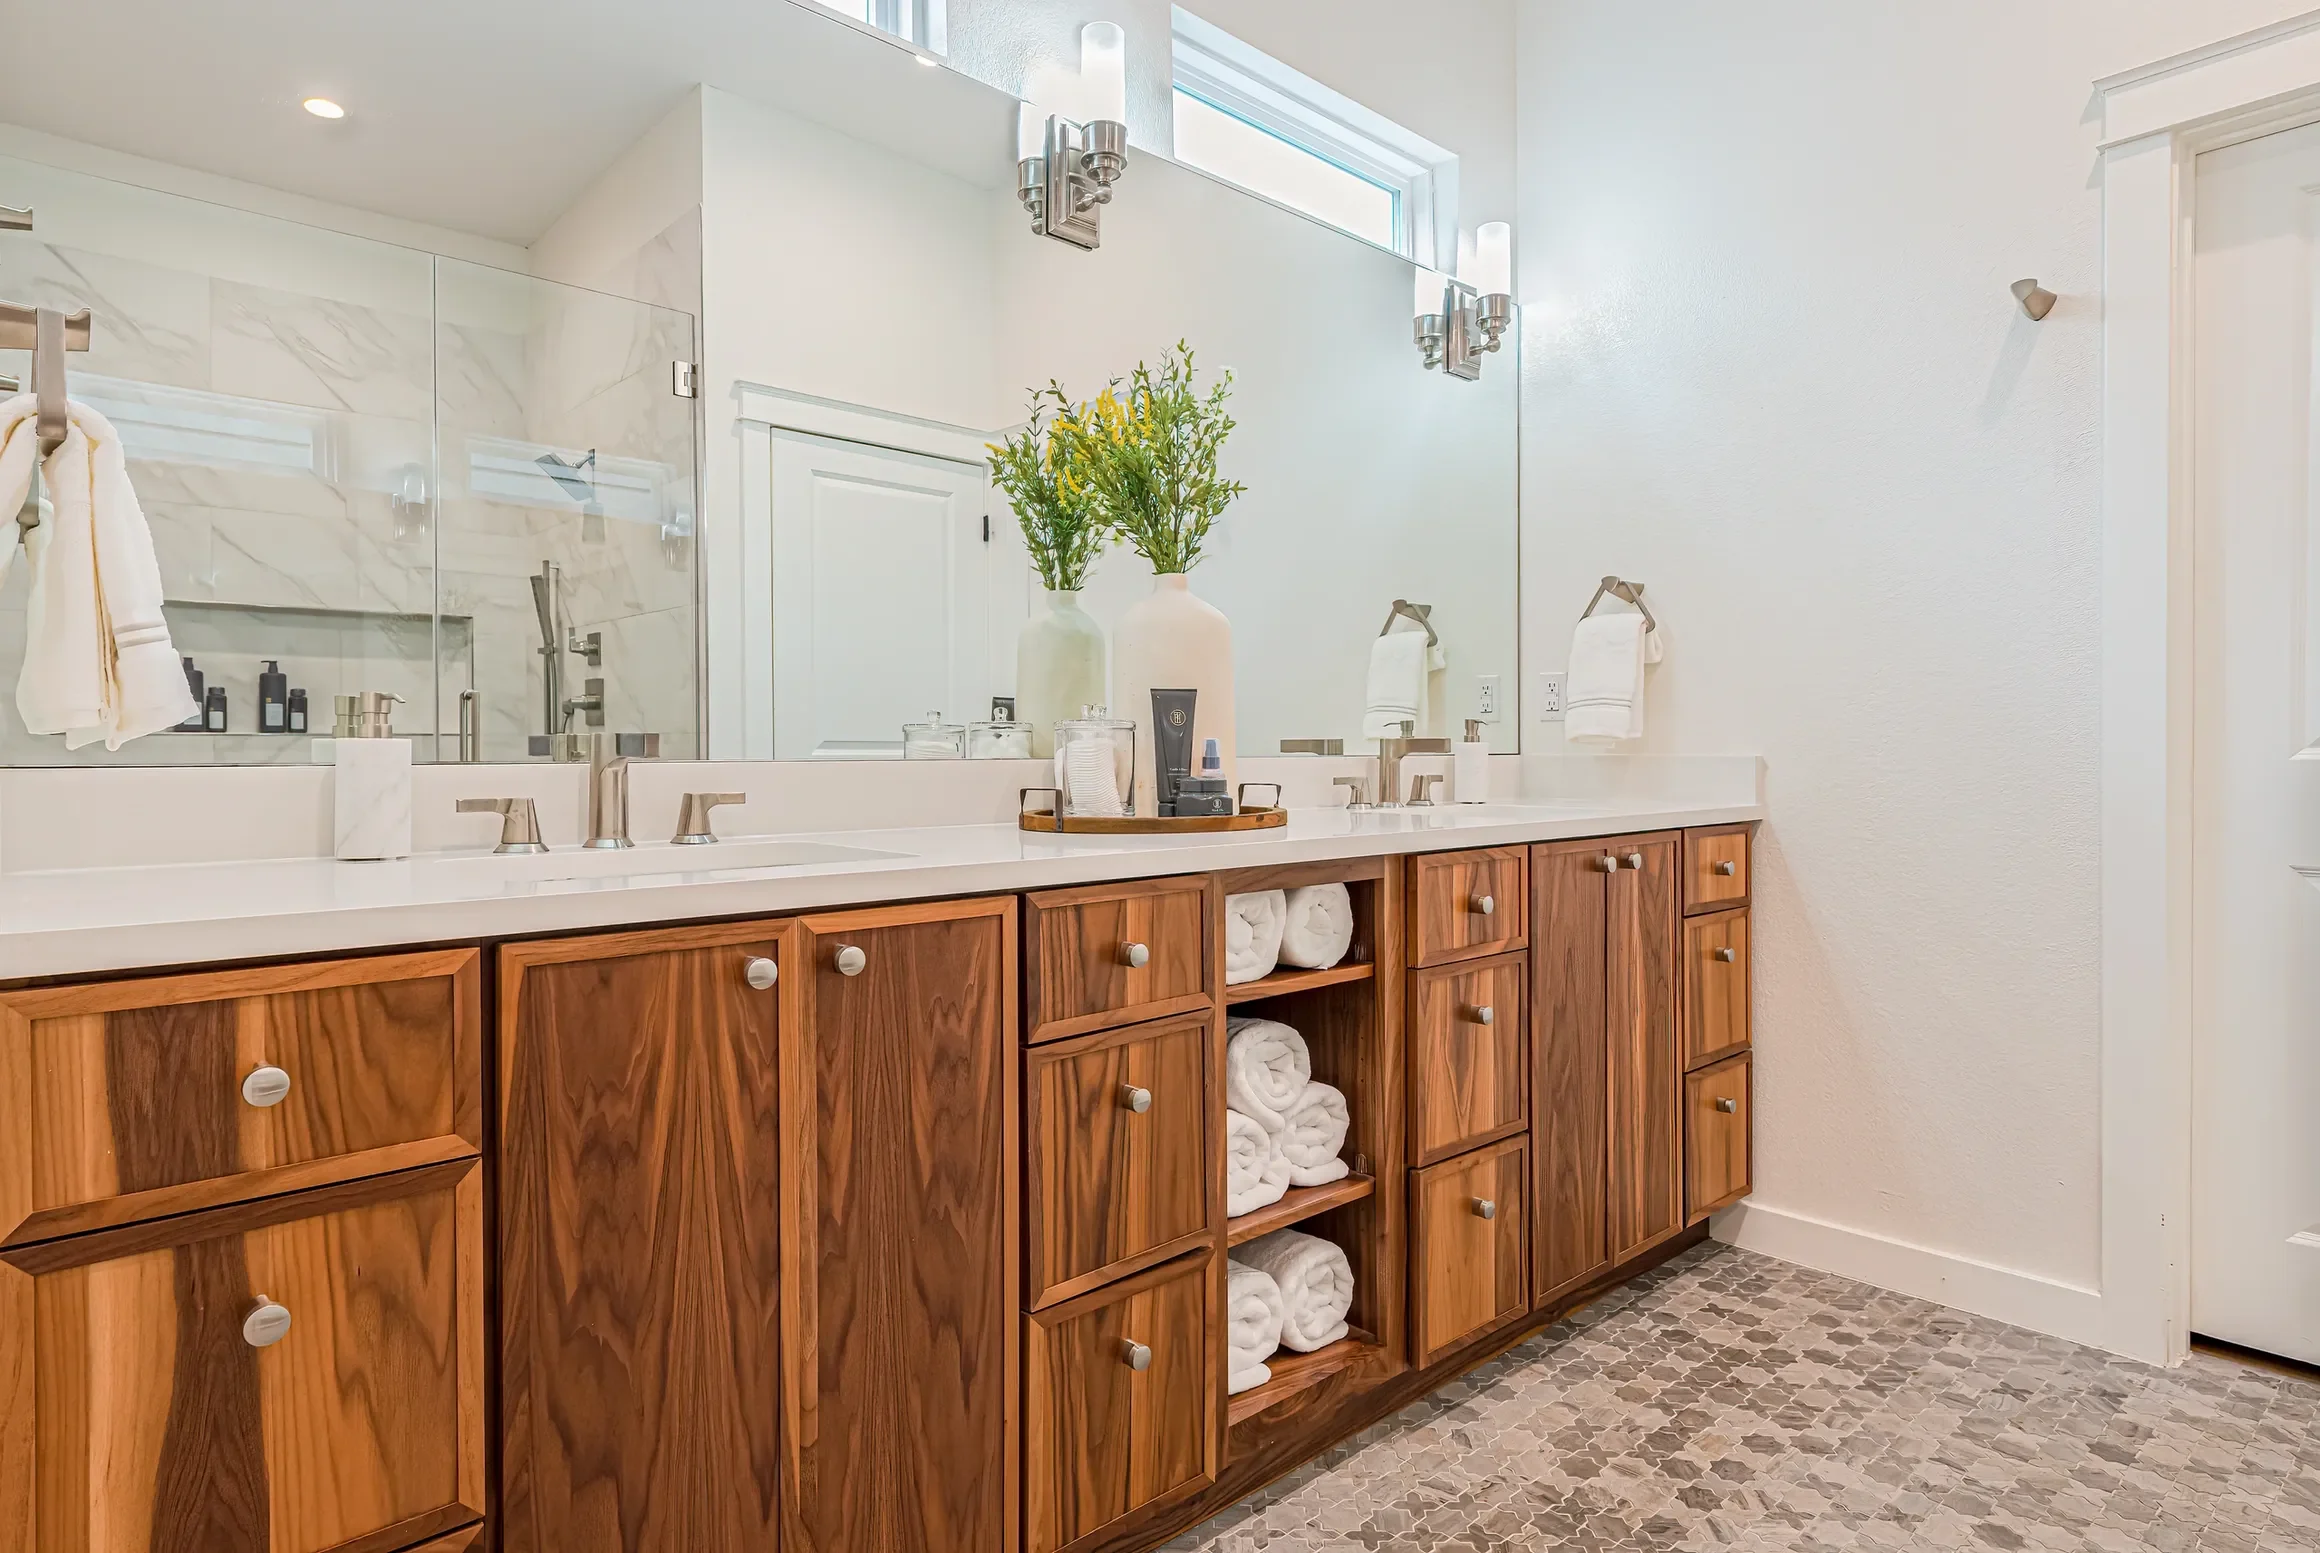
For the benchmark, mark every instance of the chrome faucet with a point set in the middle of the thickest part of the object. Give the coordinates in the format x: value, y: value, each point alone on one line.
x: 608, y: 758
x: 1390, y: 753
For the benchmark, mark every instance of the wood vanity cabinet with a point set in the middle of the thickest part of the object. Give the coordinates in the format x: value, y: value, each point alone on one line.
x: 1719, y: 1071
x: 1468, y: 1224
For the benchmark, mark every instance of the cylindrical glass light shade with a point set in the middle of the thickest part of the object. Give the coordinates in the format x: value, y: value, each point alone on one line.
x: 1030, y: 132
x: 1103, y: 68
x: 1493, y: 259
x: 1427, y: 292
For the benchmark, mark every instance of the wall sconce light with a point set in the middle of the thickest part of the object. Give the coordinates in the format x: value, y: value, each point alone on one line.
x: 1065, y: 168
x: 1460, y: 321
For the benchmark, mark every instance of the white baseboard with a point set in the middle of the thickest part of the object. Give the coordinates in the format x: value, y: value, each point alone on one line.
x: 2000, y: 1293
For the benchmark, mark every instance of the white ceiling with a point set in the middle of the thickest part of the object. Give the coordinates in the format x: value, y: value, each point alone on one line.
x: 485, y: 116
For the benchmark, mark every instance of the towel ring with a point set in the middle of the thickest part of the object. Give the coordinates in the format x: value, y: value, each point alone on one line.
x: 1405, y: 610
x: 1631, y: 592
x: 48, y: 334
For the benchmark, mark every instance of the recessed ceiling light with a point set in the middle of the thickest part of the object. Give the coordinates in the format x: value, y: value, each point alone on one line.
x: 324, y: 108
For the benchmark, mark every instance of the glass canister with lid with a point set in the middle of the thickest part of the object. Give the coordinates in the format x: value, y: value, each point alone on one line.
x: 999, y: 739
x: 934, y: 739
x: 1095, y: 765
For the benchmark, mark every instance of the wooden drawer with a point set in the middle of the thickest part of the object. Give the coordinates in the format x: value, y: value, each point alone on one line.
x: 1465, y: 904
x: 1101, y: 1438
x: 146, y: 1419
x: 1114, y: 1188
x: 1081, y: 950
x: 1469, y: 1056
x: 1715, y: 867
x: 1715, y: 987
x: 133, y: 1099
x: 1716, y: 1137
x: 1468, y: 1273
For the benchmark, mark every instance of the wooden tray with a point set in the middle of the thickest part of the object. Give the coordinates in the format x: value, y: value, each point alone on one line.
x: 1048, y: 822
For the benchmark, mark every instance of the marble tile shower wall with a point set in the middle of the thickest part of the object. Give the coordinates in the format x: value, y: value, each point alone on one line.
x: 285, y: 447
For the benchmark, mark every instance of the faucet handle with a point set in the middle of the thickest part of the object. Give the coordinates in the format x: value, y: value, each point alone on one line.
x: 693, y: 827
x: 519, y: 826
x: 1358, y: 797
x: 1422, y: 788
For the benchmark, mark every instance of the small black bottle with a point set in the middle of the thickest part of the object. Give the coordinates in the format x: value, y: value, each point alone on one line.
x: 198, y: 720
x: 273, y: 699
x: 298, y: 710
x: 216, y: 710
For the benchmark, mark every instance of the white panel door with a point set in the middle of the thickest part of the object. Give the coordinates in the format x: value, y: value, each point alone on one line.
x: 881, y: 596
x: 2255, y: 1227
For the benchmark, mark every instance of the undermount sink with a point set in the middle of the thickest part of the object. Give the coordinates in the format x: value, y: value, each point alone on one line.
x: 661, y: 859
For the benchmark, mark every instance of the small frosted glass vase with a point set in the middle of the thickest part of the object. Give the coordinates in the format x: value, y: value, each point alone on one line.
x: 1059, y: 668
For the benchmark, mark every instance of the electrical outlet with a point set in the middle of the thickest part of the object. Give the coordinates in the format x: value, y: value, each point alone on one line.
x: 1550, y: 698
x: 1487, y: 702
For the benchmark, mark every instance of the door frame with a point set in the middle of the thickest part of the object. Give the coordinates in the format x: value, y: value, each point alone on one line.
x: 2156, y: 122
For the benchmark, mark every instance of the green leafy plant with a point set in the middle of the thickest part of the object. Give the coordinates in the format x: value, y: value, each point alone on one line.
x: 1150, y: 454
x: 1063, y: 521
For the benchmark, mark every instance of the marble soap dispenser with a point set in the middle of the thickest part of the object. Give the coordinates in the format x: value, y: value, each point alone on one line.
x: 371, y: 790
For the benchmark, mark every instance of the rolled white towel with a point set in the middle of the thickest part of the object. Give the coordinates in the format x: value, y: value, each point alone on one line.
x: 1252, y: 935
x: 1314, y: 1137
x: 1266, y: 1067
x: 1252, y: 1312
x: 1316, y: 1286
x: 1256, y: 1172
x: 1317, y: 926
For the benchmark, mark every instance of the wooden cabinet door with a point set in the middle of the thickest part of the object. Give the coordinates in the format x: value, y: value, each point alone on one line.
x: 1103, y: 1437
x: 1717, y: 1104
x: 1464, y: 904
x: 1469, y: 1048
x: 1469, y: 1270
x: 637, y: 1212
x: 1644, y: 1066
x: 1715, y: 987
x: 1569, y: 1136
x: 899, y: 1243
x: 1114, y: 954
x: 300, y: 1374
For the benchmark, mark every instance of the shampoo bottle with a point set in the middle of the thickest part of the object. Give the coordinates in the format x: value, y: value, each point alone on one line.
x: 371, y: 789
x: 273, y: 699
x: 1470, y: 765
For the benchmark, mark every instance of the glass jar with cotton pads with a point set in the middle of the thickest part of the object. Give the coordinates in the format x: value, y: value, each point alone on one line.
x: 997, y: 740
x: 934, y: 739
x: 1095, y: 765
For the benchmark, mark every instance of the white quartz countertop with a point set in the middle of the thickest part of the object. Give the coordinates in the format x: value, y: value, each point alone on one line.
x: 79, y: 921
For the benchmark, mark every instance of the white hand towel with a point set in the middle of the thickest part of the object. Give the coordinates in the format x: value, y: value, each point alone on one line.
x: 1400, y: 664
x: 98, y: 662
x: 1314, y: 1137
x: 1256, y: 1172
x: 1604, y: 690
x: 1317, y: 926
x: 1316, y: 1284
x: 1252, y: 935
x: 1252, y: 1313
x: 1266, y: 1067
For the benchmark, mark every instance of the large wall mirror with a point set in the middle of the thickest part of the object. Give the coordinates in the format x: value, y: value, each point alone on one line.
x: 690, y: 440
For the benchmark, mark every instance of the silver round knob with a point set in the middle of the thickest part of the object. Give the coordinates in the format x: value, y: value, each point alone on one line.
x: 849, y: 960
x: 1484, y: 1208
x: 1135, y: 1099
x: 1727, y: 868
x: 1485, y: 1015
x: 1607, y: 863
x: 1135, y: 956
x: 1485, y: 904
x: 1728, y: 955
x: 1635, y: 861
x: 266, y: 1086
x: 1727, y: 1105
x: 762, y: 973
x: 267, y: 1325
x: 1135, y: 1355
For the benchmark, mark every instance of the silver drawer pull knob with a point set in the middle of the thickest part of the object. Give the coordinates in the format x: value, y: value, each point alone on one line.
x: 1482, y: 1015
x: 1135, y: 1099
x: 849, y: 960
x: 1635, y: 861
x: 1727, y: 1105
x: 266, y: 1086
x: 1727, y: 868
x: 1728, y: 955
x: 1135, y: 1355
x: 267, y: 1325
x: 1485, y: 904
x: 762, y: 973
x: 1484, y: 1208
x: 1135, y: 956
x: 1607, y: 863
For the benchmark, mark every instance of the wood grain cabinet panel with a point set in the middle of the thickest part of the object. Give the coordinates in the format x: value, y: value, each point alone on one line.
x: 1469, y: 1255
x: 1115, y: 954
x: 637, y: 1214
x: 1116, y: 1130
x: 1715, y: 987
x: 900, y: 1253
x: 1469, y: 1056
x: 138, y: 1413
x: 1465, y: 904
x: 1569, y: 1087
x: 127, y: 1100
x: 1716, y: 867
x: 1104, y: 1438
x: 1717, y: 1136
x: 1644, y: 1182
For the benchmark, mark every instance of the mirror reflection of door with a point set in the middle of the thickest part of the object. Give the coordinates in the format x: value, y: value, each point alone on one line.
x: 881, y: 596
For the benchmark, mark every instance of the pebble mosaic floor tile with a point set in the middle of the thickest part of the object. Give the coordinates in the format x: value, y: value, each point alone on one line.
x: 1727, y: 1401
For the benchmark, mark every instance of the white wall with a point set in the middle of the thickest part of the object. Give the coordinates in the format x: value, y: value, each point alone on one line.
x: 1773, y: 371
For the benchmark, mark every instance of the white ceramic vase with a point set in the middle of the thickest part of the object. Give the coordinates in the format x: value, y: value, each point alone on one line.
x: 1173, y: 640
x: 1059, y: 668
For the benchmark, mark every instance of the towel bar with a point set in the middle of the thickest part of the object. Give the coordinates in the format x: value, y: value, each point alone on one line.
x: 1405, y: 610
x: 1631, y: 592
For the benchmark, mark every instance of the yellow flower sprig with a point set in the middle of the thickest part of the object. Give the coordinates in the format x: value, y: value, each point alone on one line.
x: 1055, y: 500
x: 1150, y: 457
